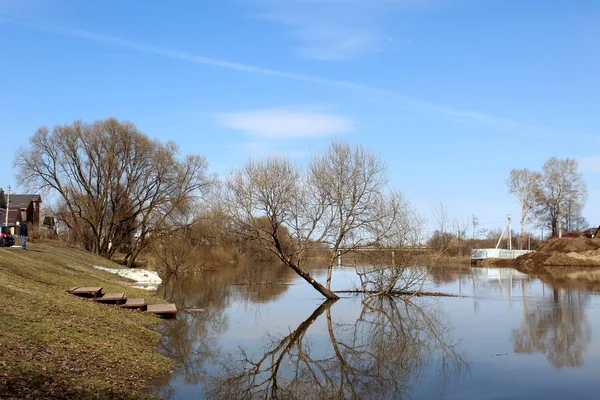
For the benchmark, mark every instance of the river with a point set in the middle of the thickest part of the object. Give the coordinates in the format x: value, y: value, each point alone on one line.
x: 504, y: 336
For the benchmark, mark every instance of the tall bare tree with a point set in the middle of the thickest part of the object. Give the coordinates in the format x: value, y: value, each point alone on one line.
x: 524, y: 185
x: 360, y: 209
x: 115, y: 185
x: 560, y: 188
x: 449, y: 233
x: 342, y: 202
x: 573, y: 219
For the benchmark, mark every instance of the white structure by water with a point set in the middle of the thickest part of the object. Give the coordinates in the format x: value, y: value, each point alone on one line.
x: 480, y: 254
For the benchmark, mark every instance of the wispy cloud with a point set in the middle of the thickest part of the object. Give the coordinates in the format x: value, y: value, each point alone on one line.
x: 382, y: 96
x: 262, y: 148
x: 333, y: 29
x: 285, y: 123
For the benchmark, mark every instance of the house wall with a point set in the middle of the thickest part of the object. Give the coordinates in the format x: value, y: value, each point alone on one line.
x: 32, y: 214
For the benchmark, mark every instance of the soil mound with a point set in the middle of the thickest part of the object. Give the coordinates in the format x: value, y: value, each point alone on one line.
x: 569, y: 245
x: 565, y: 252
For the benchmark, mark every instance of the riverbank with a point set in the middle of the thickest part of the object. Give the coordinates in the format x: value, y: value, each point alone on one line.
x: 565, y: 252
x: 56, y: 345
x: 557, y: 254
x: 571, y: 263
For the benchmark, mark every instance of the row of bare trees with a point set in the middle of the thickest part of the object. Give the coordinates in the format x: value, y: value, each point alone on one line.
x: 553, y: 198
x: 121, y: 192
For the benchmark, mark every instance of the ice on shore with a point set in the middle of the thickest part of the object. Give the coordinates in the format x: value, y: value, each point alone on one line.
x: 144, y: 279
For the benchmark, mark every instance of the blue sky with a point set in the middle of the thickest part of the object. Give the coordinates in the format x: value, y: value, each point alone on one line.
x: 451, y: 94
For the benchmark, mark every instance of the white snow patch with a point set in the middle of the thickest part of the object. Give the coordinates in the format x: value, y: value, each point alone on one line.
x: 144, y: 279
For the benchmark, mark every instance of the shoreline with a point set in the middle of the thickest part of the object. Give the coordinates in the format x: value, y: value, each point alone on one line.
x: 57, y: 345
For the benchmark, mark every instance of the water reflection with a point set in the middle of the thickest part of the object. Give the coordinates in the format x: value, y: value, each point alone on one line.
x: 268, y: 338
x: 385, y: 352
x: 382, y: 354
x: 257, y: 283
x: 555, y: 326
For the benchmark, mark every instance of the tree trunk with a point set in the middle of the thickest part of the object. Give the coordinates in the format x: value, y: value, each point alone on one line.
x: 559, y: 228
x: 559, y: 225
x: 131, y: 257
x: 521, y: 233
x: 306, y: 276
x: 329, y: 274
x: 136, y: 248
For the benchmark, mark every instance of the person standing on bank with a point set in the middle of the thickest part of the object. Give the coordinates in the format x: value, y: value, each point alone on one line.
x: 24, y: 236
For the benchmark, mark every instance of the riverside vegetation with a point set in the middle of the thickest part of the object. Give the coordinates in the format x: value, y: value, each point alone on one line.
x: 121, y: 192
x: 55, y: 345
x: 138, y: 198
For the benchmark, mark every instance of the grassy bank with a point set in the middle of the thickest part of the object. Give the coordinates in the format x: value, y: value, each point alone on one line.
x: 56, y: 345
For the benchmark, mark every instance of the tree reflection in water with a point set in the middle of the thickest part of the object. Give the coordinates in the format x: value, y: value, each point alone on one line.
x: 383, y: 354
x: 556, y: 327
x: 192, y: 339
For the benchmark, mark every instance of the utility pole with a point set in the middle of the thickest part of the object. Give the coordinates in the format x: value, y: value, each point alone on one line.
x: 7, y: 206
x: 507, y: 226
x: 509, y: 234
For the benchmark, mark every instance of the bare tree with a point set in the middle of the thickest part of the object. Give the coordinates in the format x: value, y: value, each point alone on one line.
x: 360, y: 210
x: 524, y: 185
x: 264, y: 197
x: 115, y: 185
x: 341, y: 202
x: 448, y: 232
x: 573, y: 219
x: 441, y: 220
x: 461, y: 226
x: 560, y: 187
x: 175, y: 250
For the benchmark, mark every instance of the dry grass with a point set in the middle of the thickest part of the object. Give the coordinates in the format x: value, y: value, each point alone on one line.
x: 56, y: 345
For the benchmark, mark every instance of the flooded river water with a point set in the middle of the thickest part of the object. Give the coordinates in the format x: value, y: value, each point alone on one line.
x: 505, y: 336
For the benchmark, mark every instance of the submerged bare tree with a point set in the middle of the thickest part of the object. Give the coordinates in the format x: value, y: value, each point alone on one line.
x: 392, y: 279
x: 115, y: 185
x: 342, y: 203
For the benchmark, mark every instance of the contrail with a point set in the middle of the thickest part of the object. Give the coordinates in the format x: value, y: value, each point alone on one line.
x: 385, y: 96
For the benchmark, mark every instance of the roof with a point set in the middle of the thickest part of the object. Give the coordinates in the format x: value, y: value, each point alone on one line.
x: 14, y: 215
x: 22, y: 200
